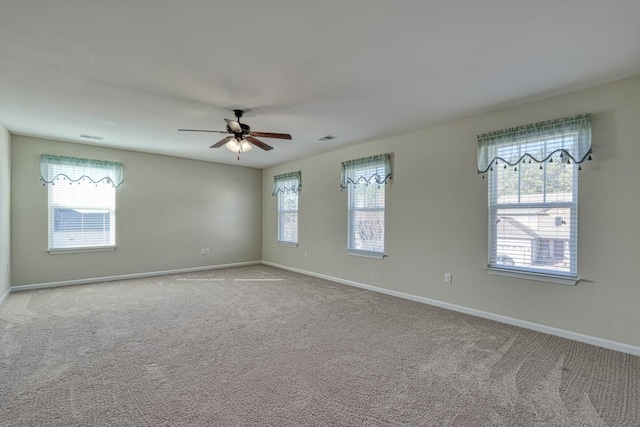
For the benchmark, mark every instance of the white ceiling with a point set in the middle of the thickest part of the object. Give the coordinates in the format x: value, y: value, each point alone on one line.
x: 134, y: 72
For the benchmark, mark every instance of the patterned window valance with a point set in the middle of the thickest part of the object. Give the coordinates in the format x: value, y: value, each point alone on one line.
x: 55, y: 168
x: 568, y: 139
x: 366, y: 170
x: 287, y: 183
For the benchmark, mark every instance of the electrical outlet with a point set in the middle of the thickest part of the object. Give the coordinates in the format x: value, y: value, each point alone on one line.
x: 447, y: 277
x: 305, y: 254
x: 206, y: 251
x: 203, y: 251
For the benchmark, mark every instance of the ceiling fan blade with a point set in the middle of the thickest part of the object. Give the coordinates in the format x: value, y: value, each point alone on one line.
x: 201, y: 130
x: 271, y: 135
x: 234, y: 125
x: 258, y: 143
x: 221, y: 142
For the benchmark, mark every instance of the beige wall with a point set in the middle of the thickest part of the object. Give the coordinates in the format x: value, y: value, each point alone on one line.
x: 5, y: 208
x: 436, y: 219
x: 167, y: 210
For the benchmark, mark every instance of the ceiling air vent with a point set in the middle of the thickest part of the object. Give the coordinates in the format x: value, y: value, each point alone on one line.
x: 327, y: 138
x: 95, y: 138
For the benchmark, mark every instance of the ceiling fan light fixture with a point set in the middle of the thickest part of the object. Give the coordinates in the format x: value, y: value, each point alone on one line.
x: 238, y: 146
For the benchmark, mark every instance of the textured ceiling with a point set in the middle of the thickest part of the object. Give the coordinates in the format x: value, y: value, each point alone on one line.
x: 133, y: 72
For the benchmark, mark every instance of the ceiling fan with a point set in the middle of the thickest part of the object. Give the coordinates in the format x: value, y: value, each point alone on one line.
x: 240, y: 136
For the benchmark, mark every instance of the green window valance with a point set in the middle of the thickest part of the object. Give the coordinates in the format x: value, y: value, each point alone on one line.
x: 567, y: 139
x: 366, y: 170
x: 287, y: 183
x: 53, y: 168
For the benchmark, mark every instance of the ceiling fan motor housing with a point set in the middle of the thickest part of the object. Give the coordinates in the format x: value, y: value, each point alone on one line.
x: 245, y: 129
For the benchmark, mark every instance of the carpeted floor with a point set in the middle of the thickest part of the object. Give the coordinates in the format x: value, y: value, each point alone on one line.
x: 267, y: 347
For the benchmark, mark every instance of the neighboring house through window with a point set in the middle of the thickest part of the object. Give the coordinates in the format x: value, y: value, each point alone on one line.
x: 533, y: 194
x: 286, y: 187
x: 365, y: 181
x: 81, y: 202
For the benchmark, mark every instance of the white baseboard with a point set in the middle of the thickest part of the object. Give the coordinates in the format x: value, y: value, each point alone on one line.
x: 612, y: 345
x: 18, y: 288
x: 4, y: 297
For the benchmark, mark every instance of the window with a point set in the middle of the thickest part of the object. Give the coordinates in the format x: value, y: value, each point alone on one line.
x: 533, y: 215
x: 81, y: 202
x: 365, y: 181
x: 533, y: 195
x: 286, y: 187
x: 550, y: 251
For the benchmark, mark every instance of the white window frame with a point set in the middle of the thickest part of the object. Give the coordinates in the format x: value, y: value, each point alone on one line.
x: 81, y: 247
x: 282, y: 214
x: 80, y: 187
x: 351, y: 222
x: 570, y: 277
x: 366, y: 173
x: 287, y: 185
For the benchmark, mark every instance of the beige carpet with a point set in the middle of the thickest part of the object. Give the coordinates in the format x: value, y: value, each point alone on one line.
x: 263, y: 346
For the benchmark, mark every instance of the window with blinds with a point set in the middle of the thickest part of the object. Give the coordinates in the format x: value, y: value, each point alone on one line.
x: 288, y: 218
x: 287, y: 187
x: 365, y: 180
x: 81, y: 215
x: 81, y: 202
x: 533, y: 212
x: 366, y: 219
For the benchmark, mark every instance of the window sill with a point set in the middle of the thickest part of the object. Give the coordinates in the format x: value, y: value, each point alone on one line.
x: 289, y: 244
x: 550, y: 278
x: 375, y: 255
x: 81, y: 250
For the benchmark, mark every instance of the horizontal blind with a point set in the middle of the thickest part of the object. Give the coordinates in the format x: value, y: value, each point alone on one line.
x: 82, y: 214
x: 286, y: 187
x: 366, y: 204
x: 533, y: 217
x: 288, y: 217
